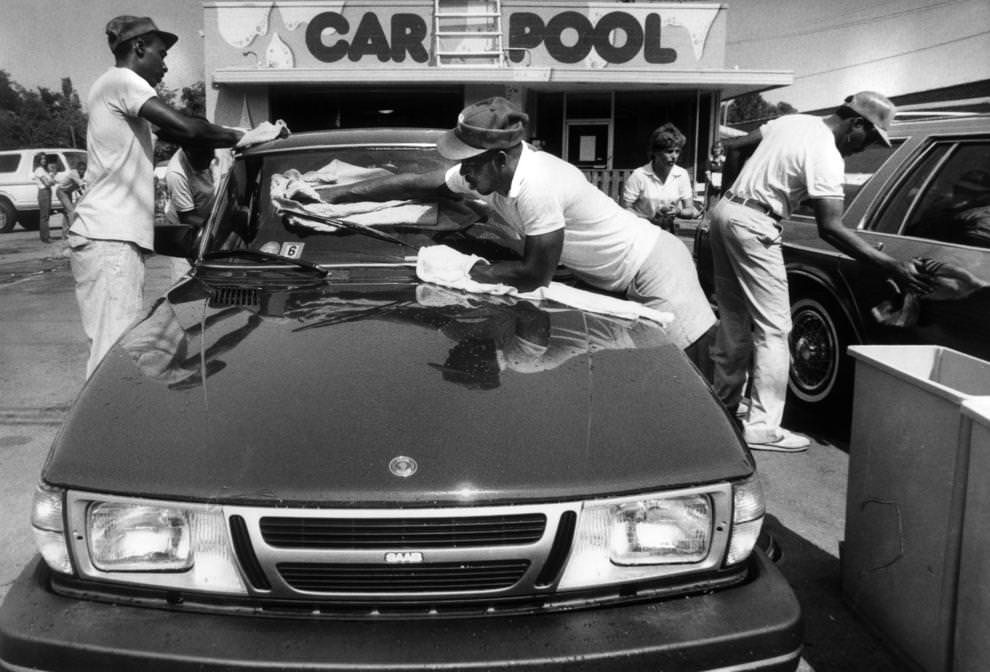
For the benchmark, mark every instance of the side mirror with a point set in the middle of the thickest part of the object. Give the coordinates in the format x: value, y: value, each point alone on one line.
x: 176, y: 240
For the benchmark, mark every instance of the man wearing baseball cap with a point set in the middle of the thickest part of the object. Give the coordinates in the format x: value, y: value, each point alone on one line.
x: 796, y: 157
x: 113, y: 225
x: 562, y: 217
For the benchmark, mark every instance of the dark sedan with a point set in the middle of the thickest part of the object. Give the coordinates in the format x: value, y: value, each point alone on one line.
x: 304, y: 457
x: 928, y: 197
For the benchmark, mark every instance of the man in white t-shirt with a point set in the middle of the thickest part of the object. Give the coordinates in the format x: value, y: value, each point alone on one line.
x: 796, y: 157
x: 562, y: 218
x: 113, y: 225
x: 191, y: 178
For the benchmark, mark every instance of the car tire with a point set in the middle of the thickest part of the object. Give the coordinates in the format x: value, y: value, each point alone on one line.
x: 820, y: 379
x: 30, y: 221
x: 8, y: 216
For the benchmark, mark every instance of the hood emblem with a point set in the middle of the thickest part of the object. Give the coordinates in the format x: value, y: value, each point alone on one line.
x: 403, y: 466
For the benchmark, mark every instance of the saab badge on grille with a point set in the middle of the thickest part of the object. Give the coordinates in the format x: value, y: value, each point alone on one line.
x: 403, y: 557
x: 403, y: 466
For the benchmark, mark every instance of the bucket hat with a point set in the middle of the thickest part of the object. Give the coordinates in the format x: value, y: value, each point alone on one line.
x: 493, y: 123
x: 875, y: 108
x: 126, y: 27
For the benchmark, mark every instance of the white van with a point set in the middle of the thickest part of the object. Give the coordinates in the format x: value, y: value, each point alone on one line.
x: 18, y: 192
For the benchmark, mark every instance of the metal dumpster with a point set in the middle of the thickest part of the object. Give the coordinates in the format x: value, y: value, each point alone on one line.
x: 905, y: 495
x: 972, y: 623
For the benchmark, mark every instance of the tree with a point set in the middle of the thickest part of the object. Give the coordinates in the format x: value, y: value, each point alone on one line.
x: 752, y: 107
x: 191, y: 101
x: 41, y: 118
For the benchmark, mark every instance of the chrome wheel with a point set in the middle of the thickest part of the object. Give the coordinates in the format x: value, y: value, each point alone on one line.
x: 817, y: 347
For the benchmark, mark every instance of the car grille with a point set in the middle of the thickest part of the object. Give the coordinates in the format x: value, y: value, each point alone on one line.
x: 428, y: 578
x: 350, y: 554
x: 406, y: 533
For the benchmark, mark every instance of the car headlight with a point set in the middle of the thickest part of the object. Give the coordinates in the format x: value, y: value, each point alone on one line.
x: 129, y: 538
x: 648, y: 536
x: 48, y: 526
x: 168, y: 545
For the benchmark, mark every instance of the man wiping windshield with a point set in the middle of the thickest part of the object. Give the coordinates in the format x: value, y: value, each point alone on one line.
x: 562, y: 217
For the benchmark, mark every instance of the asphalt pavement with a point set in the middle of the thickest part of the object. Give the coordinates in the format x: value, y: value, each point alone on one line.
x: 42, y: 362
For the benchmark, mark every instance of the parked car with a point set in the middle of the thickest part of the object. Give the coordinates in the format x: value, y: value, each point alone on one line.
x: 306, y: 458
x: 19, y: 193
x: 927, y: 197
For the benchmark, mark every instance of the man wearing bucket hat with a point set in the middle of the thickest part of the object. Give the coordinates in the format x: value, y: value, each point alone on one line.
x: 113, y: 225
x: 562, y: 217
x: 796, y: 157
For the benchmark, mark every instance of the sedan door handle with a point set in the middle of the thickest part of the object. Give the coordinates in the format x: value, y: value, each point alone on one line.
x: 878, y: 246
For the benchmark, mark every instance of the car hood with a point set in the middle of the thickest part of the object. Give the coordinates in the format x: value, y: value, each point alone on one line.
x: 301, y: 396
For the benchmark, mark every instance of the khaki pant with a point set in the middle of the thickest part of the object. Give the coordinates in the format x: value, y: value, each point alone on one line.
x: 754, y: 316
x: 109, y: 278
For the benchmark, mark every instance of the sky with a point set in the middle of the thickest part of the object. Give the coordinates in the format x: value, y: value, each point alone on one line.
x: 834, y: 48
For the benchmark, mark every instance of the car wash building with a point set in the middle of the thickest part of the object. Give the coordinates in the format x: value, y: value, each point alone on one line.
x: 595, y: 77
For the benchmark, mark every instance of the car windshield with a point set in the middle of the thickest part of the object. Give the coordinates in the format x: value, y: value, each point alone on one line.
x: 273, y: 203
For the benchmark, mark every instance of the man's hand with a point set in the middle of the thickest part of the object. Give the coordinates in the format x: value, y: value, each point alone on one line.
x: 954, y: 282
x: 913, y: 276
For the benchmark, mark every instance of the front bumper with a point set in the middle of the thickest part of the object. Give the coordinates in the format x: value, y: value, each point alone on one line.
x: 752, y: 626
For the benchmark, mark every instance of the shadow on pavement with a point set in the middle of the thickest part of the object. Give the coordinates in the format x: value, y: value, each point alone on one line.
x: 835, y: 640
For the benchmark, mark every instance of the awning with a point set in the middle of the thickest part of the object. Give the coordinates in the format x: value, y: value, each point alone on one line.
x: 730, y: 83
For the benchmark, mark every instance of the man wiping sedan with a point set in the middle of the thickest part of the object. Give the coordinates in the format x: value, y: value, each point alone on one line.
x: 563, y: 219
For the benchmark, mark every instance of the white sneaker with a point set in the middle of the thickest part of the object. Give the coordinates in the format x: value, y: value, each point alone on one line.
x: 786, y: 442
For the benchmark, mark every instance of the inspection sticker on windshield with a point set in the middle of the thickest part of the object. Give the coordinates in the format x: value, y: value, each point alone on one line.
x: 292, y: 250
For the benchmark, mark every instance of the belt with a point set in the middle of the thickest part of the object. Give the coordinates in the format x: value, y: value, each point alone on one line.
x: 759, y: 206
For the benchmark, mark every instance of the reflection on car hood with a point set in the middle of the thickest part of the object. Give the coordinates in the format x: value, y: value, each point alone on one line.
x: 306, y: 395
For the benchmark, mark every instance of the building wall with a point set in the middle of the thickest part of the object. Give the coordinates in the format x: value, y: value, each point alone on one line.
x: 323, y: 64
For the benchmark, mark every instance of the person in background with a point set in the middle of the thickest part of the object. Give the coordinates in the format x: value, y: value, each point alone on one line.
x: 44, y: 178
x: 191, y: 179
x: 713, y: 172
x: 563, y: 219
x: 69, y: 185
x: 661, y: 190
x: 793, y: 157
x: 113, y: 225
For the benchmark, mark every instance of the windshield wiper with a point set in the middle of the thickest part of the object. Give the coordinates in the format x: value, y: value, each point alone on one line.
x: 287, y: 207
x: 265, y: 258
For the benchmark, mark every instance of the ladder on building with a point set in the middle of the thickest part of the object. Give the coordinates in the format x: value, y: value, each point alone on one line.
x: 468, y: 33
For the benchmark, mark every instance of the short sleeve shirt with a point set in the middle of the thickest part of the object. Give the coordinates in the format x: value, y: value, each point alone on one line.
x: 646, y: 193
x: 189, y: 190
x: 120, y: 198
x: 42, y: 178
x: 796, y: 159
x: 604, y: 245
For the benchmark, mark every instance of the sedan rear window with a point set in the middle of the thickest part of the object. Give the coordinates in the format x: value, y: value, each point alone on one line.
x: 859, y: 169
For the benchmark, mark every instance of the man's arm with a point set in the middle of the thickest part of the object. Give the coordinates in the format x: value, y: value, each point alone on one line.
x: 541, y: 254
x: 182, y: 129
x: 737, y: 152
x: 828, y: 215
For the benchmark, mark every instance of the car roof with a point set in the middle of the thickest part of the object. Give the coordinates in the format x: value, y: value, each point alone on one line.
x: 349, y: 136
x: 910, y: 123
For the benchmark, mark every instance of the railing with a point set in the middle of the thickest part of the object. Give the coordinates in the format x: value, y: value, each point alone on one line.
x: 609, y: 181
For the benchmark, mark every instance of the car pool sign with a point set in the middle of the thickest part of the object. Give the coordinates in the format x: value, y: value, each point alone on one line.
x: 544, y: 35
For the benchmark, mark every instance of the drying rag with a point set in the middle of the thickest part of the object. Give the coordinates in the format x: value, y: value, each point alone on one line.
x: 266, y: 131
x: 443, y: 265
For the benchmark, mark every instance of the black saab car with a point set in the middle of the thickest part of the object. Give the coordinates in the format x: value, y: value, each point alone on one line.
x: 304, y: 458
x: 926, y: 197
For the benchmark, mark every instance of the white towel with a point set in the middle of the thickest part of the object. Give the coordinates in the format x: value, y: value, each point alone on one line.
x: 443, y: 265
x: 266, y: 131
